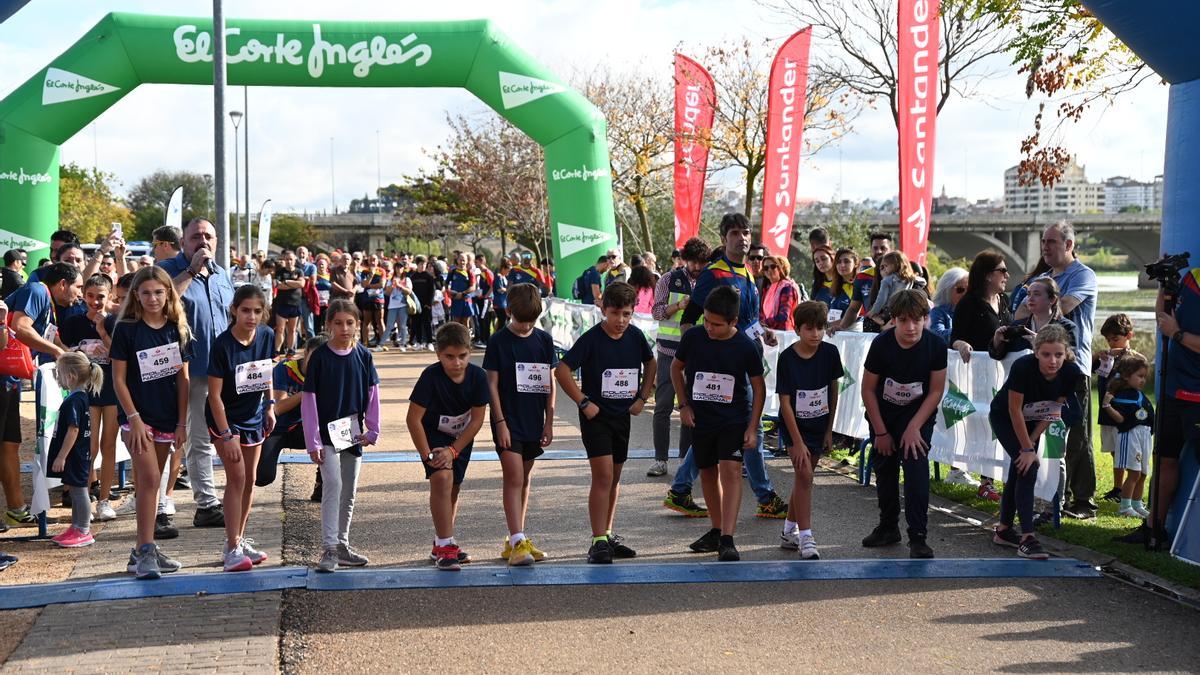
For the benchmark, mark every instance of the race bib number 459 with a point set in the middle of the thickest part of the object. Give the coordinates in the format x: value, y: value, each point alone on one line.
x: 159, y: 362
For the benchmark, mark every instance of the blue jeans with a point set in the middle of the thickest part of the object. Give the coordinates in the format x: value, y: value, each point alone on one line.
x: 306, y: 321
x: 397, y: 314
x: 756, y: 470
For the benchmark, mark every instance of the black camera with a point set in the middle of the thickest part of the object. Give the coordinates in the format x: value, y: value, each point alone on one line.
x: 1166, y: 270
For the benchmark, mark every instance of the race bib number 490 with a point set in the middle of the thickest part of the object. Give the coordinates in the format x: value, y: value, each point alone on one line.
x: 619, y: 383
x: 713, y: 387
x: 900, y: 393
x: 159, y: 362
x: 533, y: 378
x: 253, y: 376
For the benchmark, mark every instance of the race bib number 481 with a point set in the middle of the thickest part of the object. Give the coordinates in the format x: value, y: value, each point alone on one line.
x: 713, y: 387
x: 159, y: 362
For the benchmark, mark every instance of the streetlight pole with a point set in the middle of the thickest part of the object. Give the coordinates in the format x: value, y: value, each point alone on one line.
x: 378, y: 175
x: 332, y: 184
x: 235, y: 116
x: 246, y: 109
x: 219, y: 77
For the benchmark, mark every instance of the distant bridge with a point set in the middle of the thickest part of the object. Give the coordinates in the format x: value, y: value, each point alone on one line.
x: 1017, y: 236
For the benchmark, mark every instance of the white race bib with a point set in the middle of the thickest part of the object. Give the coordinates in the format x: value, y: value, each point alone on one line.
x: 50, y: 333
x: 1039, y: 411
x: 619, y: 383
x: 899, y: 393
x: 453, y: 425
x: 533, y: 378
x: 253, y: 376
x: 755, y: 330
x: 811, y: 403
x: 323, y: 298
x: 713, y: 387
x: 95, y: 350
x: 343, y: 432
x: 1106, y: 365
x: 835, y: 315
x: 159, y: 362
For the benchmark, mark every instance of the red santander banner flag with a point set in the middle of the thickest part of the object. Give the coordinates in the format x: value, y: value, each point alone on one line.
x: 918, y: 97
x: 695, y: 105
x: 786, y: 94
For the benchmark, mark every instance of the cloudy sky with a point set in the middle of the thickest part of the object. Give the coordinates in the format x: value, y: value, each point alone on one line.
x: 169, y: 126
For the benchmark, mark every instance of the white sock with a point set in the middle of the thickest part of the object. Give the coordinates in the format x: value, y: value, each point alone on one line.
x: 444, y: 542
x: 1137, y: 504
x: 516, y: 538
x: 789, y: 526
x: 805, y: 533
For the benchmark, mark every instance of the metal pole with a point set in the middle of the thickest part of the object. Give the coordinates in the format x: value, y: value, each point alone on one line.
x: 218, y: 37
x: 246, y: 110
x: 332, y: 185
x: 378, y: 174
x: 237, y: 184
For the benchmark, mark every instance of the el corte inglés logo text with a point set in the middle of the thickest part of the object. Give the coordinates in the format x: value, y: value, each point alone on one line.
x: 21, y: 178
x: 582, y: 173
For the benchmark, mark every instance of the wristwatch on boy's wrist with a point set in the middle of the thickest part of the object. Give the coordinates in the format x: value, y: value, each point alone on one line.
x: 1028, y: 449
x: 583, y: 402
x: 1178, y: 336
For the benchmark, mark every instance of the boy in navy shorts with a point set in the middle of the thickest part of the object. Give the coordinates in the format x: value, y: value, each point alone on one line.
x: 716, y: 368
x: 617, y: 376
x: 806, y: 377
x: 518, y: 361
x: 904, y: 377
x: 445, y: 412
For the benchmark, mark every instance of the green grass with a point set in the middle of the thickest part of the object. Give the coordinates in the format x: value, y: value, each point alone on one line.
x: 1141, y: 300
x: 1095, y: 534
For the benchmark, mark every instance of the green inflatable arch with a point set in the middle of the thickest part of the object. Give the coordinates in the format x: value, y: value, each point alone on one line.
x: 125, y: 50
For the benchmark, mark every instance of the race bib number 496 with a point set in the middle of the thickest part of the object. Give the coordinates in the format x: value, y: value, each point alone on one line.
x: 533, y: 378
x: 159, y: 362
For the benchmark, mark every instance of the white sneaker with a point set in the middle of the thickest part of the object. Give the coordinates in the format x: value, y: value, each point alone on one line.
x: 1130, y: 513
x: 808, y: 548
x: 128, y: 507
x: 104, y: 511
x: 959, y: 477
x: 1142, y: 511
x: 236, y: 560
x: 790, y: 540
x: 657, y: 468
x: 166, y: 506
x: 430, y: 347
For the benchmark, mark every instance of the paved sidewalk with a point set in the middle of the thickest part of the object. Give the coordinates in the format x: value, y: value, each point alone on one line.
x: 227, y: 633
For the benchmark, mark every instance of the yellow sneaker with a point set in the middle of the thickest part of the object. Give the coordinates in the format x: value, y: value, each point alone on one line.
x: 507, y: 550
x: 522, y: 554
x: 538, y: 554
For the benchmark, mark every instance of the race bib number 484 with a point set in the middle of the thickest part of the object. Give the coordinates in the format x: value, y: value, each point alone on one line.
x: 253, y: 376
x: 159, y: 362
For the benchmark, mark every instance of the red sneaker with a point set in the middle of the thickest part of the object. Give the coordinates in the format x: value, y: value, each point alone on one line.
x: 988, y: 491
x: 447, y: 558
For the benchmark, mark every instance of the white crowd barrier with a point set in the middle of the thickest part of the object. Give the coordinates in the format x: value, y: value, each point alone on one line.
x: 962, y: 435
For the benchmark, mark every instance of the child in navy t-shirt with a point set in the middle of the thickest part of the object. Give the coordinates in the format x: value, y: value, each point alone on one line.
x: 445, y: 412
x: 69, y: 453
x: 806, y: 377
x: 617, y: 369
x: 718, y: 377
x: 340, y: 413
x: 519, y: 361
x: 904, y: 376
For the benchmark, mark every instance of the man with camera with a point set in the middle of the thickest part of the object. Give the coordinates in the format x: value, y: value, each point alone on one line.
x: 1178, y: 315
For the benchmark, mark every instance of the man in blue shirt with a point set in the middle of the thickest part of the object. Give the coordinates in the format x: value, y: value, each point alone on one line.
x: 730, y: 270
x: 35, y: 308
x: 1077, y: 285
x: 207, y: 293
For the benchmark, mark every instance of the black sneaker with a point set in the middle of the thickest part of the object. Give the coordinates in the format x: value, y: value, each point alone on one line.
x: 882, y: 535
x: 727, y: 552
x: 917, y: 548
x: 619, y: 549
x: 710, y: 542
x: 316, y: 494
x: 182, y: 482
x: 1031, y: 548
x: 164, y: 528
x: 1006, y: 537
x: 1113, y: 495
x: 213, y: 516
x: 600, y: 553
